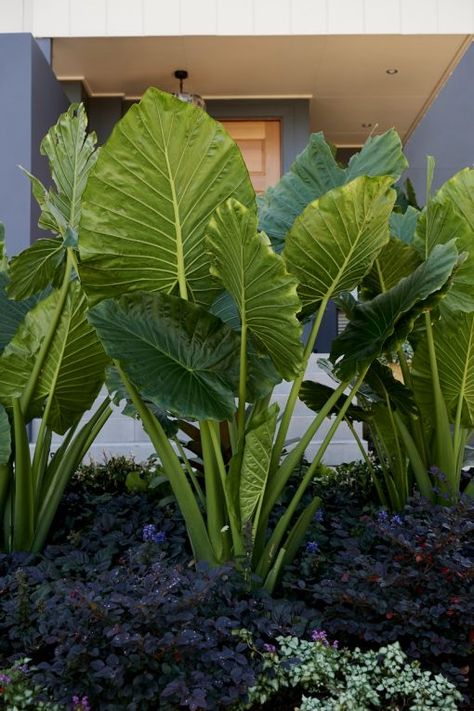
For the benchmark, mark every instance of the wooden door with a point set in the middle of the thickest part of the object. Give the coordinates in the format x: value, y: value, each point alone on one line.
x: 260, y: 143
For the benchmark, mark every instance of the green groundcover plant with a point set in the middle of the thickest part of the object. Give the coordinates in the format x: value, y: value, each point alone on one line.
x: 199, y: 298
x: 19, y: 692
x: 330, y: 679
x: 52, y: 364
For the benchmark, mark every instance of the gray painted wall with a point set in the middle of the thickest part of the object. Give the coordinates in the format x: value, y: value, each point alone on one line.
x: 103, y: 114
x: 32, y: 99
x: 446, y: 131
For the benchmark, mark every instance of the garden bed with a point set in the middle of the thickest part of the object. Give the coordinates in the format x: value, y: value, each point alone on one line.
x: 115, y: 612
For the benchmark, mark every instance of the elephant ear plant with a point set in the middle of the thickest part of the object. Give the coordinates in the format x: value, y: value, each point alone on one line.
x: 52, y: 364
x: 202, y: 316
x: 420, y: 423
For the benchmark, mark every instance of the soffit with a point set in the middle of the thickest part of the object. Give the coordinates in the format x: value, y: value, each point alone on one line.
x: 344, y: 76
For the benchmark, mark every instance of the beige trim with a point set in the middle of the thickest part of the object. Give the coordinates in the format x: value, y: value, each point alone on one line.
x: 207, y: 97
x: 229, y: 97
x: 439, y: 86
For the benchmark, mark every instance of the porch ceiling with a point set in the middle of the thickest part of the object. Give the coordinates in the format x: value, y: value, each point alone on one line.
x: 343, y: 76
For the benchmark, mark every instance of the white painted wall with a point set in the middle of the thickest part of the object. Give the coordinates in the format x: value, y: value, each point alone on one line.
x: 123, y: 435
x: 102, y: 18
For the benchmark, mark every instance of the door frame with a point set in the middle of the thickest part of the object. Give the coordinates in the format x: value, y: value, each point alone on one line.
x: 293, y: 115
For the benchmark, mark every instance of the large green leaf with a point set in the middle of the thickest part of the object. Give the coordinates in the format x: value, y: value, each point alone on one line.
x: 385, y: 321
x: 396, y: 261
x: 35, y: 268
x: 454, y: 347
x: 460, y: 191
x: 163, y: 172
x: 71, y: 154
x: 256, y: 277
x: 5, y: 436
x: 261, y: 374
x: 225, y: 308
x: 315, y: 172
x: 380, y: 155
x: 12, y: 312
x: 73, y: 371
x: 176, y: 353
x: 380, y: 385
x: 450, y: 215
x: 403, y: 224
x: 334, y: 243
x: 256, y: 463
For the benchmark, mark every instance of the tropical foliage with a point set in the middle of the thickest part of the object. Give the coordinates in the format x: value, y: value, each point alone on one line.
x: 51, y: 361
x: 422, y: 420
x: 198, y: 310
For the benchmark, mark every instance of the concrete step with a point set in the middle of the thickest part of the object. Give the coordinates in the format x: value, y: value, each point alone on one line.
x: 124, y: 436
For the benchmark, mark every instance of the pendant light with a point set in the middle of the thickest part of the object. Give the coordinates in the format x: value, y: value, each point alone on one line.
x: 195, y: 99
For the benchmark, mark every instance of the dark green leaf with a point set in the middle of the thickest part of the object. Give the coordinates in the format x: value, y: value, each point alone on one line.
x: 384, y: 322
x: 175, y: 352
x: 12, y: 313
x: 403, y: 224
x: 315, y: 395
x: 315, y: 172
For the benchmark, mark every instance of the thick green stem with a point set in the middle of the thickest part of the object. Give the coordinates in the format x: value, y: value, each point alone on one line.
x: 295, y: 390
x: 182, y: 490
x: 43, y: 351
x: 242, y: 385
x: 277, y: 481
x: 417, y: 464
x: 459, y: 433
x: 401, y: 467
x: 64, y: 467
x: 273, y: 546
x: 190, y: 471
x: 24, y: 508
x: 367, y: 461
x: 231, y: 505
x: 416, y: 425
x: 217, y: 522
x: 43, y: 442
x: 5, y: 482
x: 444, y: 451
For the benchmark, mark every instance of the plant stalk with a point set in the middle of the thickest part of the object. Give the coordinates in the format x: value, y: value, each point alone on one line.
x: 273, y: 546
x: 295, y: 390
x: 182, y: 490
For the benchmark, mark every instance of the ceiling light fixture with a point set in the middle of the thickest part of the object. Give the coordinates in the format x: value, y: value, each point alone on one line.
x: 195, y: 99
x: 391, y: 71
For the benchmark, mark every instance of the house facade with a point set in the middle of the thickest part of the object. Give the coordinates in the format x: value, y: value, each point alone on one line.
x: 272, y: 70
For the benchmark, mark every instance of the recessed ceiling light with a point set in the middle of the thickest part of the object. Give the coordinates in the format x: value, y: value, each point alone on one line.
x: 393, y: 70
x: 366, y: 125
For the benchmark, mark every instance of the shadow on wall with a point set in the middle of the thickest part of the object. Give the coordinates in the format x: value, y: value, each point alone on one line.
x: 446, y: 130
